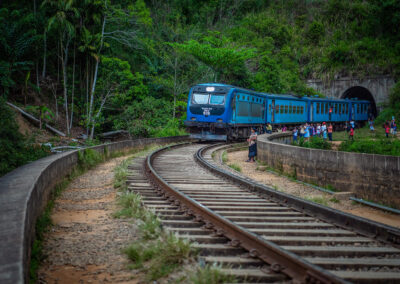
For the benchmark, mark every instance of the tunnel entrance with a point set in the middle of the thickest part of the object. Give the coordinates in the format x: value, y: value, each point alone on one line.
x: 361, y: 93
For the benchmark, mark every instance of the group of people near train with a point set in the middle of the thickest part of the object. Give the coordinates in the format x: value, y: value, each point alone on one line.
x: 390, y: 127
x: 309, y: 130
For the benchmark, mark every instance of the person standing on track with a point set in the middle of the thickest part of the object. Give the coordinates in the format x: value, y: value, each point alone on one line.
x: 252, y: 146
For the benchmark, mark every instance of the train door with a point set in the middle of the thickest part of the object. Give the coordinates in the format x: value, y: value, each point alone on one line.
x: 353, y: 111
x: 234, y: 107
x: 273, y: 111
x: 311, y: 112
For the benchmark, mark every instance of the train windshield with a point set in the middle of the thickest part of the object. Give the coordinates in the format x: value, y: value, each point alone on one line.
x: 217, y: 99
x: 204, y: 99
x: 200, y: 99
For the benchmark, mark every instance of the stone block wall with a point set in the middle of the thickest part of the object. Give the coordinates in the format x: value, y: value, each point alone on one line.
x: 368, y: 176
x: 24, y: 193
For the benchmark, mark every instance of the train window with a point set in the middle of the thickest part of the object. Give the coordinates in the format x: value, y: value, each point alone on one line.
x: 286, y: 109
x: 256, y: 110
x: 242, y: 109
x: 298, y: 109
x: 217, y: 99
x: 347, y: 108
x: 358, y: 108
x: 200, y: 99
x: 269, y: 109
x: 282, y: 109
x: 302, y: 109
x: 340, y: 108
x: 290, y: 109
x: 277, y: 109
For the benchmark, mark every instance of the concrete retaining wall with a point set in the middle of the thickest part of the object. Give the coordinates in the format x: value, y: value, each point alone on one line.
x: 24, y: 194
x: 368, y: 176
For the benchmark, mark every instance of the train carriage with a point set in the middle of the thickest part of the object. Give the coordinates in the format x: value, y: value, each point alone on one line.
x: 319, y: 110
x: 286, y: 109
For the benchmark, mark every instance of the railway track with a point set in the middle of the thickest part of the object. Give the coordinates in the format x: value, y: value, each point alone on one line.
x: 243, y: 226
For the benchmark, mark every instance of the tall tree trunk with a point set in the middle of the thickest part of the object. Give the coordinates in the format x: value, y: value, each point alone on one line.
x: 87, y: 92
x: 95, y: 79
x: 175, y: 67
x: 73, y: 91
x: 44, y: 54
x: 58, y: 62
x: 64, y: 70
x: 37, y: 74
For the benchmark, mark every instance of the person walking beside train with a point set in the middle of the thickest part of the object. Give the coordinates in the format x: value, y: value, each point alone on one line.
x: 252, y: 146
x: 319, y: 130
x: 387, y: 129
x: 330, y: 131
x: 269, y: 128
x: 351, y: 134
x: 307, y: 132
x: 301, y: 131
x: 295, y: 133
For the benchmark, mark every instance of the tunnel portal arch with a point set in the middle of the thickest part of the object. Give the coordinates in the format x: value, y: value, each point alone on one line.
x: 361, y: 93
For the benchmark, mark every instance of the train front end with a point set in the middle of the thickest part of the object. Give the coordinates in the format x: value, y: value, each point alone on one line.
x: 208, y: 111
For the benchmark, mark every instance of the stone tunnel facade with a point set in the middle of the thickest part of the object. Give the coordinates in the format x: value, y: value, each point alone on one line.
x: 376, y: 88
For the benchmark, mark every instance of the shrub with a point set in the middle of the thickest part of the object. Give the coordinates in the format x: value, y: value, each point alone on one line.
x: 315, y: 32
x: 382, y: 146
x: 314, y: 142
x: 15, y: 150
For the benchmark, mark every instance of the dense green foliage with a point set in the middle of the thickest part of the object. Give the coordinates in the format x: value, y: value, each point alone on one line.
x: 382, y: 146
x: 15, y: 150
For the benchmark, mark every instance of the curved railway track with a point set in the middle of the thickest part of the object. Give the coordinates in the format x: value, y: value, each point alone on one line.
x: 256, y: 233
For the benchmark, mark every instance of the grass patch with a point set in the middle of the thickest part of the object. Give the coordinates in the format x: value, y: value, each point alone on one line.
x: 383, y: 146
x: 211, y: 275
x: 160, y: 257
x: 331, y: 188
x: 236, y: 167
x: 334, y: 200
x: 224, y: 157
x: 317, y: 199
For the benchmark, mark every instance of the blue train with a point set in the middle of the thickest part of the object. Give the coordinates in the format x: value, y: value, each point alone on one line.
x: 224, y: 112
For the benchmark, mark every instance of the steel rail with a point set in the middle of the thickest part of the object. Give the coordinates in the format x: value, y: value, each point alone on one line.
x: 280, y: 259
x: 369, y: 228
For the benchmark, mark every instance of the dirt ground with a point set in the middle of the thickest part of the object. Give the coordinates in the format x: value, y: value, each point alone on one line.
x: 284, y: 184
x: 84, y: 245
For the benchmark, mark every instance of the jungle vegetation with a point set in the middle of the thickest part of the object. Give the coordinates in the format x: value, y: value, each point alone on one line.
x: 128, y: 64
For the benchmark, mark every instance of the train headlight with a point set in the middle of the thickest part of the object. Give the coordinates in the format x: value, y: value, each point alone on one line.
x: 210, y: 89
x: 193, y: 118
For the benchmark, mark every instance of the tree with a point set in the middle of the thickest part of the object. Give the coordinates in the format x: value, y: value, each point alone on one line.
x: 227, y: 63
x: 117, y: 84
x: 64, y: 14
x: 16, y: 40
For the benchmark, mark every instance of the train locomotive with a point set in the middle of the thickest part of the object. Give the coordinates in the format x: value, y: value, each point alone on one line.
x: 223, y: 112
